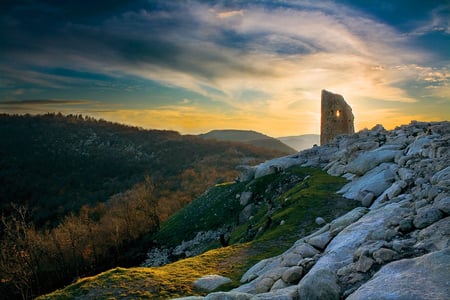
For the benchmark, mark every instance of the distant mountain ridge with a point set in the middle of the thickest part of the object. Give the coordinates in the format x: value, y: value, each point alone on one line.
x: 301, y: 142
x: 249, y: 137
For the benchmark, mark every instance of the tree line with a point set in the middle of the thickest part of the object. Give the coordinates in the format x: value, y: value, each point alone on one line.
x: 34, y: 261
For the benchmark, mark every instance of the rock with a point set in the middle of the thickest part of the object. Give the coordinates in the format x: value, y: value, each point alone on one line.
x: 260, y: 268
x: 376, y: 181
x: 364, y: 264
x: 210, y: 282
x: 292, y: 275
x: 402, y: 246
x: 319, y: 285
x: 435, y: 237
x: 427, y: 216
x: 432, y: 193
x: 395, y: 189
x: 228, y: 296
x: 265, y: 282
x: 406, y: 225
x: 420, y: 203
x: 308, y: 263
x: 367, y: 249
x: 443, y: 205
x: 288, y: 293
x: 320, y: 221
x: 366, y: 161
x: 245, y: 198
x: 320, y: 241
x: 246, y: 173
x: 347, y: 219
x: 405, y: 174
x: 418, y: 146
x: 264, y: 285
x: 442, y: 177
x: 367, y: 200
x: 276, y: 165
x: 384, y: 255
x: 246, y: 213
x: 340, y: 250
x: 290, y: 259
x: 279, y: 284
x: 304, y: 249
x: 424, y: 277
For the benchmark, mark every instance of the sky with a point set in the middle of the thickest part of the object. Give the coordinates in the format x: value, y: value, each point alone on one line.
x: 194, y: 66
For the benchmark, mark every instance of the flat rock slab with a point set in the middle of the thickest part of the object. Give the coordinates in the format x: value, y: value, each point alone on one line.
x: 211, y: 282
x: 425, y: 277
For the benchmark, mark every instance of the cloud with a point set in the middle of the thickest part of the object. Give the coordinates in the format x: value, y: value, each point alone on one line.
x: 45, y: 102
x: 438, y: 21
x: 259, y: 59
x: 230, y: 14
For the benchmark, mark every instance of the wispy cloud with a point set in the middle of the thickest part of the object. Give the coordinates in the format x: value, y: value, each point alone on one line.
x: 258, y: 59
x: 45, y: 102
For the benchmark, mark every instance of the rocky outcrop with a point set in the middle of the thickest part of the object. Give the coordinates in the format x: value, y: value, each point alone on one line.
x: 396, y: 246
x: 425, y: 277
x: 336, y: 117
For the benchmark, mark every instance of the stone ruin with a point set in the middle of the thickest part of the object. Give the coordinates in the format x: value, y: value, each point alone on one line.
x: 336, y: 117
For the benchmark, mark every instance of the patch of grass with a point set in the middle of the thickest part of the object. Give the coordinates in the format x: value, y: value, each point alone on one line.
x: 172, y: 280
x: 215, y: 208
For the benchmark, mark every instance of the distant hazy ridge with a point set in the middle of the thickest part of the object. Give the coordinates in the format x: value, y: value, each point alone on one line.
x: 249, y: 137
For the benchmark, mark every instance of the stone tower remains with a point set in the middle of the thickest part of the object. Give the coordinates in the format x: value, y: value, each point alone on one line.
x: 336, y: 117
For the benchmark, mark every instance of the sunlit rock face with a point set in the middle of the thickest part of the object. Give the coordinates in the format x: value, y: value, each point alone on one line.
x: 336, y: 117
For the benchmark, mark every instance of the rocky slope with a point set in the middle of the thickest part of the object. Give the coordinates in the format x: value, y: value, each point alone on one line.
x: 395, y: 246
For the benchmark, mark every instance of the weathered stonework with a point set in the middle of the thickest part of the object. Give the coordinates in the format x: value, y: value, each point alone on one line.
x: 336, y: 117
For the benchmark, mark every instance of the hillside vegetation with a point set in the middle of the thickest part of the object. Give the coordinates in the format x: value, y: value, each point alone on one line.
x: 55, y: 164
x: 291, y: 200
x: 249, y: 137
x: 79, y: 195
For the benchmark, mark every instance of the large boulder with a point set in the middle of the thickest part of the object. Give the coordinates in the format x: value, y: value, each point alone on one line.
x: 425, y: 277
x: 426, y: 216
x: 443, y: 205
x: 319, y: 285
x: 375, y: 181
x: 366, y: 161
x: 435, y: 237
x: 276, y: 165
x: 442, y: 177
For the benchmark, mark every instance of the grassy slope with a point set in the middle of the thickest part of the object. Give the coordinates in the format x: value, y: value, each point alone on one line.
x: 297, y: 207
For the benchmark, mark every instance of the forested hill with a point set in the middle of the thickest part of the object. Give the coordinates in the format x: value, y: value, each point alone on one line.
x: 249, y: 137
x: 55, y: 164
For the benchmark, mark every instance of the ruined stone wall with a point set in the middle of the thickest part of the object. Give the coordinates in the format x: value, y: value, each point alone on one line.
x: 336, y: 117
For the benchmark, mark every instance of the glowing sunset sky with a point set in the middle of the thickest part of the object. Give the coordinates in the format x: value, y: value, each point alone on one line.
x: 194, y: 66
